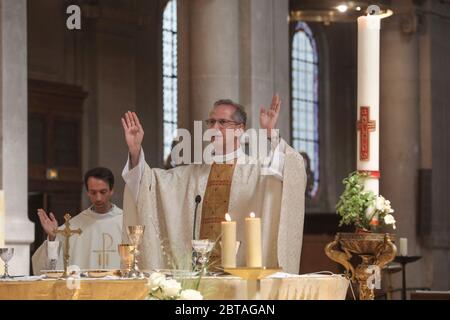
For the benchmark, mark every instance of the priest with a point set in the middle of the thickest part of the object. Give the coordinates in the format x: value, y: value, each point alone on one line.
x: 101, y: 225
x: 165, y: 200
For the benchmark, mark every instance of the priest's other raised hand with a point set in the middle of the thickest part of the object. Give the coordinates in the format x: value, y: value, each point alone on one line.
x: 268, y: 118
x: 134, y: 134
x: 49, y: 223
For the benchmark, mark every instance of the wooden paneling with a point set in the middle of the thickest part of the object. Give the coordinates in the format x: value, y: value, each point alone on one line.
x: 54, y: 135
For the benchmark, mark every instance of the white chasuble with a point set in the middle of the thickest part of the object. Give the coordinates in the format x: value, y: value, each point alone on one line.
x: 164, y: 201
x: 95, y: 248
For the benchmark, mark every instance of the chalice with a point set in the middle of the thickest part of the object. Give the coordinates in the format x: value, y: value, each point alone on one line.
x: 6, y: 254
x: 135, y: 234
x: 126, y: 253
x: 202, y: 251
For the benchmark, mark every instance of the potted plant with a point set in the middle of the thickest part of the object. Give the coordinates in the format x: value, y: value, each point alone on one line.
x: 362, y: 208
x: 368, y: 213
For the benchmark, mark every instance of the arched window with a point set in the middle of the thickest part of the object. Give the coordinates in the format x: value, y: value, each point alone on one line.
x: 170, y: 74
x: 305, y: 98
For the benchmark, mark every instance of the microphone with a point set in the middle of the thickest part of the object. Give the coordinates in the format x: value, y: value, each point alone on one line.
x: 198, y: 199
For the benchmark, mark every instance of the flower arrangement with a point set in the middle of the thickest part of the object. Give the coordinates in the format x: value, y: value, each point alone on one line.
x: 162, y: 288
x: 363, y: 208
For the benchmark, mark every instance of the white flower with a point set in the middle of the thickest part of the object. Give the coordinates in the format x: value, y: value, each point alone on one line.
x: 190, y: 294
x: 389, y: 219
x: 370, y: 212
x: 170, y: 288
x: 380, y: 203
x: 155, y: 280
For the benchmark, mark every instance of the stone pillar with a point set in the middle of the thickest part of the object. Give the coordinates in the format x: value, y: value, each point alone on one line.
x: 214, y: 54
x: 239, y: 49
x: 400, y: 128
x: 14, y: 156
x: 438, y: 244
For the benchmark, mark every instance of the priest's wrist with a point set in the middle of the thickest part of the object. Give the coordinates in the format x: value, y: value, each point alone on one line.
x: 275, y: 134
x: 134, y: 156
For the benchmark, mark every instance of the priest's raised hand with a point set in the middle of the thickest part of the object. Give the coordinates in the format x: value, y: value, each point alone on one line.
x: 268, y: 118
x: 134, y: 134
x: 48, y: 222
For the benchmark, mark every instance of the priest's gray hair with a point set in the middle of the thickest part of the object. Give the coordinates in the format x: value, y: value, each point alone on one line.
x: 240, y: 116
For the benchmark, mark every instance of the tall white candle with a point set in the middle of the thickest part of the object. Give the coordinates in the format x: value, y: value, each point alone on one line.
x: 403, y: 247
x: 253, y: 241
x: 2, y: 218
x: 2, y: 225
x: 228, y: 243
x: 368, y: 123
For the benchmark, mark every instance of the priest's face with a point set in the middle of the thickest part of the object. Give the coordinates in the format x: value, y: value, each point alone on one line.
x: 228, y: 131
x: 100, y: 194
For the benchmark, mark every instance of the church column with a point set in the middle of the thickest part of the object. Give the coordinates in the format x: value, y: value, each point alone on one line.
x: 400, y: 127
x: 19, y: 231
x: 238, y: 49
x: 214, y: 53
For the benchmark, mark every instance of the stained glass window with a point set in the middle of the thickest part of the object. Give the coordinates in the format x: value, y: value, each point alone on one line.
x: 170, y: 74
x: 305, y: 97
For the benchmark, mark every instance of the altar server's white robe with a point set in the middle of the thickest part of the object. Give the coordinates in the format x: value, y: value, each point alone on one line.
x: 95, y: 248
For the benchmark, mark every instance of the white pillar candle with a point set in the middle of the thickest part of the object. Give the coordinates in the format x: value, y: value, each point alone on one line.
x: 368, y: 123
x: 2, y: 225
x: 228, y: 242
x: 2, y: 218
x: 403, y: 247
x: 253, y: 241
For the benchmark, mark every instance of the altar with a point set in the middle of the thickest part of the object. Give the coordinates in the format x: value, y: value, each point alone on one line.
x: 276, y: 287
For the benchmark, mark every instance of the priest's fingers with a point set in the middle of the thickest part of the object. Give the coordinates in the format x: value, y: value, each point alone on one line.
x: 127, y: 120
x: 124, y: 124
x: 262, y: 110
x: 136, y: 120
x: 52, y: 217
x: 275, y: 103
x: 279, y: 104
x: 274, y: 100
x: 42, y: 218
x: 133, y: 123
x: 42, y: 213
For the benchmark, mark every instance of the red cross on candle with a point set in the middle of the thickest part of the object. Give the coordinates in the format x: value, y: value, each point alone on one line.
x: 365, y: 126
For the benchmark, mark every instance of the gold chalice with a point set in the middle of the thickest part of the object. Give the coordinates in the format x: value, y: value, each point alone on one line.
x: 135, y: 234
x: 126, y: 255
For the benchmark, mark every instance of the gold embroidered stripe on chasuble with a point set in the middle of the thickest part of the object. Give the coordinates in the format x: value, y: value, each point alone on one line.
x: 215, y: 204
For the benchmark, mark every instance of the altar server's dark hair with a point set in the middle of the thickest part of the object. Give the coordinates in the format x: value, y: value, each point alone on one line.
x: 100, y: 173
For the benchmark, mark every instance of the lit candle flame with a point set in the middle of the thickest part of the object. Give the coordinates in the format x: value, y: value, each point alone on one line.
x: 227, y: 217
x: 252, y: 214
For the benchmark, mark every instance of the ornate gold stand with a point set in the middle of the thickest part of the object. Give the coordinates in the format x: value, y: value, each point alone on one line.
x: 374, y: 249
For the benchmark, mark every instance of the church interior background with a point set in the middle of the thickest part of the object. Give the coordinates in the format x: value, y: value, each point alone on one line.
x: 64, y: 91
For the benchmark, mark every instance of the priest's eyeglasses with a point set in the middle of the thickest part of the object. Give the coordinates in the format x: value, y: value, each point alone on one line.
x: 223, y: 123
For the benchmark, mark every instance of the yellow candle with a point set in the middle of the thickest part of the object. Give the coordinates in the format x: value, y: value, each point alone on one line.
x: 228, y: 243
x: 253, y: 241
